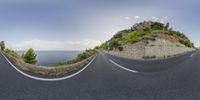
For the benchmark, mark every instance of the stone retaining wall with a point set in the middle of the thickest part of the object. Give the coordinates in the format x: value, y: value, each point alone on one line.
x: 136, y: 51
x: 160, y: 48
x: 163, y: 48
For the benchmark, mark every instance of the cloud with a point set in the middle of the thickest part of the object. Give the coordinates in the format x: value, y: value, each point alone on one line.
x: 165, y: 17
x: 155, y: 18
x: 55, y: 45
x: 137, y: 17
x: 159, y: 19
x: 127, y: 18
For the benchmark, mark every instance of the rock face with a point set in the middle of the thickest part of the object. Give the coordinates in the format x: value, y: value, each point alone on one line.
x: 163, y: 48
x: 160, y: 48
x: 139, y: 26
x: 135, y: 51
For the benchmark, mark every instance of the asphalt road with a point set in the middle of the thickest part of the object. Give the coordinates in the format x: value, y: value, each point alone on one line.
x: 111, y: 78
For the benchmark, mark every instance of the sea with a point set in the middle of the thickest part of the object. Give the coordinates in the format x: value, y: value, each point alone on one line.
x: 46, y: 58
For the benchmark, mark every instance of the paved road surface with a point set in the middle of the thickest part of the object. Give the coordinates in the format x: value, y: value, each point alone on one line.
x: 106, y: 79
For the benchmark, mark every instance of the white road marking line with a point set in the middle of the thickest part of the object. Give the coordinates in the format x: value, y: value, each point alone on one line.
x: 133, y: 71
x: 192, y: 54
x: 46, y: 79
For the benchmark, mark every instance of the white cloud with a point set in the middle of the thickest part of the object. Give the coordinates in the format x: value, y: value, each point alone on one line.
x: 159, y: 19
x: 127, y: 18
x: 155, y: 18
x: 137, y: 17
x: 55, y: 45
x: 165, y: 17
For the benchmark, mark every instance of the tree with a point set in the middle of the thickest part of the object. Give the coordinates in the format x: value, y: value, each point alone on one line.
x: 2, y: 45
x: 167, y: 26
x: 30, y: 57
x: 157, y: 26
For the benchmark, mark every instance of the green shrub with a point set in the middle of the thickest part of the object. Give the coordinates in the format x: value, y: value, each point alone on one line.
x: 2, y: 45
x: 12, y: 53
x: 147, y: 30
x: 149, y: 57
x: 157, y: 26
x: 30, y: 57
x: 120, y: 48
x: 131, y: 38
x: 186, y: 43
x: 86, y: 54
x: 117, y: 35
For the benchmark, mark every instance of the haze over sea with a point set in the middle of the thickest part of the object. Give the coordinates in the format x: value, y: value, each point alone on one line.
x: 46, y: 58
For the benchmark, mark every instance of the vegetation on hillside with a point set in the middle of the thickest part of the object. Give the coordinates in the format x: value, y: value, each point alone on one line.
x: 144, y: 31
x: 82, y: 56
x: 86, y: 54
x: 13, y: 53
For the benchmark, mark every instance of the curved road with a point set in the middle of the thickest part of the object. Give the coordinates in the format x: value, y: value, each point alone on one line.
x: 107, y: 78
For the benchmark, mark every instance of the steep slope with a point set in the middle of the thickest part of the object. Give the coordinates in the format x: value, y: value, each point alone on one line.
x: 148, y: 40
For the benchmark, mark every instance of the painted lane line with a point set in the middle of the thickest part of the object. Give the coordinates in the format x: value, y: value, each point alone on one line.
x: 133, y: 71
x: 46, y: 79
x: 192, y: 54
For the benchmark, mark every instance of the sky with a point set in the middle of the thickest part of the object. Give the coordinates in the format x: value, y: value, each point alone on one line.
x: 82, y: 24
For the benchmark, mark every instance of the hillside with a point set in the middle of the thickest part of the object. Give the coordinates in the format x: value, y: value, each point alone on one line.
x: 148, y: 40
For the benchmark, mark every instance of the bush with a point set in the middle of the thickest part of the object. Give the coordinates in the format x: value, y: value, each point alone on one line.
x: 30, y: 57
x: 117, y: 35
x: 157, y: 26
x: 12, y: 53
x: 131, y: 38
x: 120, y: 48
x: 115, y: 43
x: 149, y: 57
x: 147, y: 30
x: 2, y: 45
x: 88, y: 53
x: 186, y: 43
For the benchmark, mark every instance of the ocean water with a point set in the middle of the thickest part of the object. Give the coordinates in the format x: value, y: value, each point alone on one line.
x: 45, y: 58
